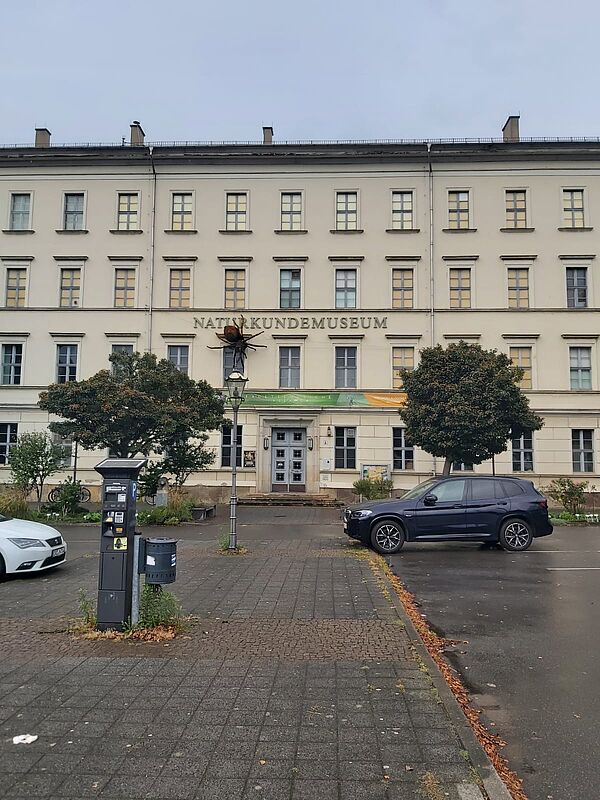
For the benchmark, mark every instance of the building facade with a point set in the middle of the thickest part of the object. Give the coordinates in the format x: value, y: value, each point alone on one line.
x: 349, y: 258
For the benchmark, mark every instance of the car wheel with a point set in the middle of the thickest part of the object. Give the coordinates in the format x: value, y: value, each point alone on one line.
x: 2, y: 569
x: 516, y: 535
x: 387, y: 537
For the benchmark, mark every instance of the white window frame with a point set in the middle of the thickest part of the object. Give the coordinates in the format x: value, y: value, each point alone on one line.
x: 587, y: 266
x: 14, y: 342
x: 64, y: 210
x: 248, y: 227
x: 172, y: 193
x: 517, y: 343
x: 139, y: 211
x: 75, y: 342
x: 335, y: 209
x: 471, y: 267
x: 238, y: 268
x: 346, y: 345
x: 404, y: 447
x: 174, y: 343
x: 80, y: 265
x: 125, y: 266
x: 521, y: 450
x: 470, y: 218
x: 12, y: 192
x: 175, y: 265
x: 400, y: 345
x: 288, y: 267
x: 527, y: 191
x: 16, y: 423
x: 288, y: 345
x: 593, y: 451
x: 302, y: 206
x: 585, y: 345
x: 10, y: 265
x: 585, y: 192
x: 528, y: 267
x: 412, y: 267
x: 347, y: 268
x: 413, y: 193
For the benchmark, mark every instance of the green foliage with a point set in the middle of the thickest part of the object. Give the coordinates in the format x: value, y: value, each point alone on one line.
x: 86, y: 610
x: 373, y: 489
x: 184, y: 457
x: 224, y: 541
x: 569, y: 494
x: 92, y: 516
x: 32, y: 459
x: 171, y: 514
x: 67, y: 503
x: 144, y: 405
x: 463, y: 403
x: 13, y: 503
x: 149, y: 482
x: 158, y: 607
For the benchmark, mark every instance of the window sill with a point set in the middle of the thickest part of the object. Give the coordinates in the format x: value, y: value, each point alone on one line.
x: 287, y: 233
x: 23, y: 231
x: 63, y: 230
x: 403, y: 230
x: 517, y: 230
x: 459, y: 230
x: 171, y: 230
x: 575, y: 230
x: 234, y: 233
x: 117, y: 230
x: 337, y: 230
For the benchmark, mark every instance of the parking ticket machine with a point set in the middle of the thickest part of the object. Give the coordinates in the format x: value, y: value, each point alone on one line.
x: 115, y: 579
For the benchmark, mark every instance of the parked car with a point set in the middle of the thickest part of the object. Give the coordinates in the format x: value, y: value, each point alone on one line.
x: 507, y: 511
x: 29, y: 546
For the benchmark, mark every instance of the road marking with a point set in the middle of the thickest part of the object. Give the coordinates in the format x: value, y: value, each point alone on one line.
x: 568, y: 569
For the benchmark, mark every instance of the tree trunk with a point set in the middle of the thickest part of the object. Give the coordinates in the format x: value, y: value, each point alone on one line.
x: 447, y: 465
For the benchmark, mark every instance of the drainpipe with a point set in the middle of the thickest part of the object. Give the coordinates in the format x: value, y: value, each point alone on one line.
x: 152, y: 249
x: 431, y: 266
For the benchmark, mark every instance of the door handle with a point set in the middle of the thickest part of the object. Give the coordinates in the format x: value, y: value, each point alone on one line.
x: 502, y: 503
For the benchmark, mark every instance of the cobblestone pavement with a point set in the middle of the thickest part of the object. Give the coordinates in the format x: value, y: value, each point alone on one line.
x: 297, y: 680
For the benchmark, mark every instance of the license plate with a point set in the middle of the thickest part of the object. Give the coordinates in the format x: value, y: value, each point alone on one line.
x: 58, y: 551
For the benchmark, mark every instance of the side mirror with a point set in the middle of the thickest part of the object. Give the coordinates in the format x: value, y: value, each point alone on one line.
x: 429, y: 500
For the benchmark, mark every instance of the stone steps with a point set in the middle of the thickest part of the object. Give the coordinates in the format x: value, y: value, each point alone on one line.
x: 290, y: 499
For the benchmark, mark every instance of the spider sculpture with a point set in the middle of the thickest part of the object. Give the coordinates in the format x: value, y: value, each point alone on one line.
x: 233, y: 337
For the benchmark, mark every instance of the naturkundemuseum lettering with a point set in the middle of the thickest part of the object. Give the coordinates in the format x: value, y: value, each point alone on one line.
x: 293, y: 323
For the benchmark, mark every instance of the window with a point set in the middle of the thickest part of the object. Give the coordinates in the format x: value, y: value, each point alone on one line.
x: 235, y: 288
x: 66, y: 363
x: 127, y: 349
x: 582, y: 444
x: 345, y: 367
x: 8, y: 438
x: 460, y: 288
x: 226, y: 446
x: 461, y: 466
x: 20, y: 208
x: 232, y: 362
x: 291, y: 211
x: 289, y: 367
x: 449, y: 491
x: 573, y: 208
x: 402, y: 211
x: 70, y: 287
x: 127, y: 215
x: 522, y: 453
x: 12, y: 363
x: 402, y: 450
x: 236, y: 217
x: 346, y: 211
x: 289, y: 288
x: 345, y: 448
x: 512, y: 488
x: 179, y: 356
x: 402, y: 358
x: 518, y: 287
x: 485, y: 489
x: 580, y: 366
x: 124, y: 288
x: 16, y: 284
x: 521, y: 357
x: 402, y: 288
x: 181, y: 211
x: 516, y: 208
x: 179, y: 288
x: 73, y: 219
x: 66, y: 445
x: 345, y: 288
x: 577, y: 287
x: 458, y: 210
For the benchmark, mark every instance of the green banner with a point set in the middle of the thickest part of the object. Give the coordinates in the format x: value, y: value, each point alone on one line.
x: 324, y: 399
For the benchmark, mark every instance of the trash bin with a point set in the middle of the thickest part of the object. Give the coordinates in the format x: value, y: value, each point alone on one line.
x: 160, y: 560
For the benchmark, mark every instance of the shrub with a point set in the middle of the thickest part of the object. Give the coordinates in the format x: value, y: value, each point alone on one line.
x: 373, y: 489
x: 158, y: 607
x: 171, y: 514
x: 13, y: 503
x: 569, y: 494
x: 92, y: 516
x: 67, y: 502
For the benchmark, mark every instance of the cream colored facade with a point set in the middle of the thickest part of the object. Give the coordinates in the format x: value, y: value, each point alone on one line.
x: 558, y: 234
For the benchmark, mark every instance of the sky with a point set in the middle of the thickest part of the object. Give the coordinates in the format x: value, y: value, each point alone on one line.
x: 314, y: 69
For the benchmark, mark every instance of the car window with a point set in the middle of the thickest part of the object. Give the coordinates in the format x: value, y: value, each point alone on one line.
x: 418, y: 491
x: 449, y: 491
x: 512, y: 488
x: 482, y: 489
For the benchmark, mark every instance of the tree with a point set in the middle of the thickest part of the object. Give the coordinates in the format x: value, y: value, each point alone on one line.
x: 32, y: 460
x: 183, y: 458
x: 142, y: 406
x: 463, y: 403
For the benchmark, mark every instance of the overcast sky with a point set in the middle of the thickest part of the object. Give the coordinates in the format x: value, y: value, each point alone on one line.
x: 314, y: 69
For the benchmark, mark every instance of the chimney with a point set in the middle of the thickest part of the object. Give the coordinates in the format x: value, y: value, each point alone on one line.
x: 137, y: 133
x: 267, y: 135
x: 42, y: 137
x: 510, y: 131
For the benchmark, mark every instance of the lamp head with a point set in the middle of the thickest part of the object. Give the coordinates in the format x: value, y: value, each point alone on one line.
x: 235, y: 384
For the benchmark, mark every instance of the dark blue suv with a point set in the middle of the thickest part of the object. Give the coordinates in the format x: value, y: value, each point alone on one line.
x: 507, y: 511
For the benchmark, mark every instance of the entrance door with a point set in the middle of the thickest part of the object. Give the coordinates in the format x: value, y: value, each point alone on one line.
x: 288, y: 460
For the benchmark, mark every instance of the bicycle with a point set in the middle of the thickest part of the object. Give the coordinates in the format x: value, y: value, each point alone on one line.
x: 54, y: 495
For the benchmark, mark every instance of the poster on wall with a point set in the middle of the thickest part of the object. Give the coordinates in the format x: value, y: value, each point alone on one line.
x: 250, y: 459
x: 375, y: 472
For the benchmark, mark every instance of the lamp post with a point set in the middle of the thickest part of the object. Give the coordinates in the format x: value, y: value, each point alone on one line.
x: 235, y: 384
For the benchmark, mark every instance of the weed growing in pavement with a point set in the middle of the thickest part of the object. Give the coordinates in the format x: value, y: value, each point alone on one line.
x: 159, y: 608
x: 86, y: 610
x: 224, y: 546
x: 430, y: 787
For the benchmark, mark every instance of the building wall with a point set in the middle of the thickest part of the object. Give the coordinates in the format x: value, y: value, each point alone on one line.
x: 431, y: 250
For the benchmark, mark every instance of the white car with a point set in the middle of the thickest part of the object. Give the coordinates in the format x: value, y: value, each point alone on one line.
x: 29, y: 546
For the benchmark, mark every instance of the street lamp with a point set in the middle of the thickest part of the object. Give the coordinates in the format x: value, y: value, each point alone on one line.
x: 235, y: 384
